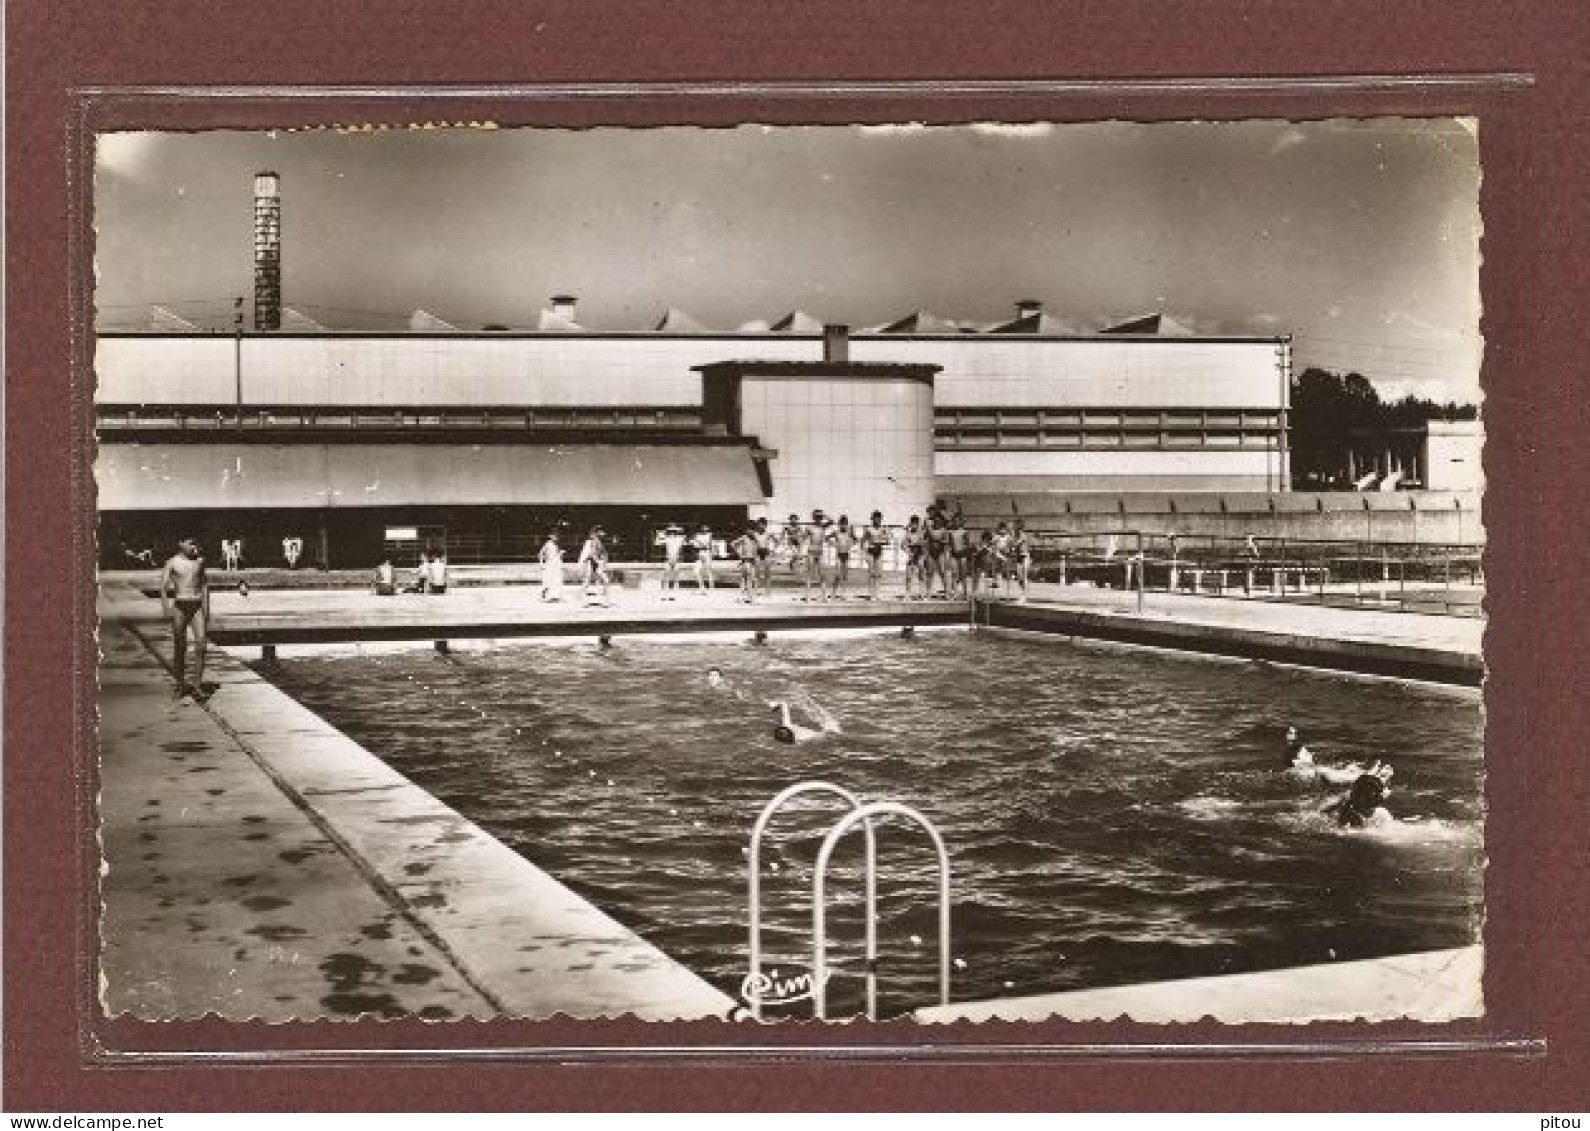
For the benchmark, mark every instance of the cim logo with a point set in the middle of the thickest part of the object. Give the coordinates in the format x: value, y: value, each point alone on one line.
x: 770, y: 989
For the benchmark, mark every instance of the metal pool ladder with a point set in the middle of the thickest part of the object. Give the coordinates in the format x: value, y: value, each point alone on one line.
x: 863, y: 815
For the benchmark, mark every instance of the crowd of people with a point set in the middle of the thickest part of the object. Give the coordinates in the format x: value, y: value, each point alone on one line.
x: 939, y: 557
x: 429, y: 576
x: 817, y: 553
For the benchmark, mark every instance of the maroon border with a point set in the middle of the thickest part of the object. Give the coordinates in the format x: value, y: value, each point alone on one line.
x: 1538, y: 982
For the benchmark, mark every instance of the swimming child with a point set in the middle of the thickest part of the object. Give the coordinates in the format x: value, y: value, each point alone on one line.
x: 1363, y: 806
x: 789, y: 731
x: 1301, y: 762
x: 1298, y: 756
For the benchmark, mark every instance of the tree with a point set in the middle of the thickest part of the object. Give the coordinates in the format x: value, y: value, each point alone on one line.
x: 1328, y: 407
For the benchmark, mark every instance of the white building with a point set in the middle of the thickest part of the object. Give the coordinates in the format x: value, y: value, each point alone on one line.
x: 347, y: 433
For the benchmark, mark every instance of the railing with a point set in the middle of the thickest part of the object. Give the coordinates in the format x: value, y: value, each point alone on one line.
x: 864, y: 815
x: 1443, y: 578
x: 286, y: 420
x: 754, y: 854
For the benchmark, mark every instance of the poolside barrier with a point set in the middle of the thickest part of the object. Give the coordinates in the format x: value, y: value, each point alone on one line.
x: 864, y: 816
x: 859, y: 814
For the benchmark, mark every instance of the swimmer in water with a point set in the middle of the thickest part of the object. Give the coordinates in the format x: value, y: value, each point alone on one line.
x: 714, y: 678
x: 1298, y: 756
x: 791, y: 732
x: 1364, y: 804
x: 1301, y: 763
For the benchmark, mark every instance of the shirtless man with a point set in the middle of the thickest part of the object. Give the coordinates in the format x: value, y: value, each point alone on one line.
x: 915, y: 541
x: 745, y: 549
x: 961, y: 551
x: 185, y: 602
x: 940, y: 559
x: 806, y: 552
x: 764, y: 556
x: 673, y: 544
x: 875, y: 538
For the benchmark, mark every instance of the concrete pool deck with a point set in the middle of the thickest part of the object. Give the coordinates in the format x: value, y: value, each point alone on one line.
x: 1377, y: 642
x: 261, y: 864
x: 1439, y: 985
x: 1444, y: 649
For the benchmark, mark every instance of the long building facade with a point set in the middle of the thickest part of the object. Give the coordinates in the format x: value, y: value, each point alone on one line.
x: 361, y: 444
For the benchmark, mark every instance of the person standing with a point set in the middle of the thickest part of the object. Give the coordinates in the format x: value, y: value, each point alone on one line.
x: 960, y: 540
x: 593, y: 564
x: 794, y: 541
x: 939, y: 558
x: 914, y: 539
x: 844, y: 544
x: 673, y: 542
x: 875, y: 538
x: 1002, y: 568
x: 1021, y: 555
x: 703, y: 547
x: 436, y: 574
x: 764, y: 556
x: 983, y: 565
x: 385, y: 580
x: 745, y: 549
x: 551, y: 557
x: 185, y: 602
x: 827, y: 559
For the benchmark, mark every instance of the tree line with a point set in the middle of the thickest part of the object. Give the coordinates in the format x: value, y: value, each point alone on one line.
x: 1327, y: 407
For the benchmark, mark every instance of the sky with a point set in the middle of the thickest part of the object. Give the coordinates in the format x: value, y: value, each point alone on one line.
x: 1361, y: 239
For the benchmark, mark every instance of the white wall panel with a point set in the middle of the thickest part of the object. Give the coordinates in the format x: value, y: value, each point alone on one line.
x: 1167, y: 373
x: 645, y: 369
x: 846, y: 445
x: 1110, y: 462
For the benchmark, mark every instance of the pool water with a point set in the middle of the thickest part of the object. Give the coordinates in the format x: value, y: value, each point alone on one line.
x: 1112, y: 815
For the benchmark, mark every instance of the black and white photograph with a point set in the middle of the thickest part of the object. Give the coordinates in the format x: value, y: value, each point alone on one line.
x: 771, y: 573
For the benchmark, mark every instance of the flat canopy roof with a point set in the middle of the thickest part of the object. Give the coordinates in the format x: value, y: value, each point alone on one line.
x: 230, y: 476
x: 775, y: 368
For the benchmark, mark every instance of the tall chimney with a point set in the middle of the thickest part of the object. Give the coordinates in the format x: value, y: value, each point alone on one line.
x: 267, y: 251
x: 1027, y: 307
x: 563, y: 306
x: 836, y: 343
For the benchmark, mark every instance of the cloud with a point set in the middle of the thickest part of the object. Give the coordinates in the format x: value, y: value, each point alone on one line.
x: 1288, y: 140
x: 1019, y: 129
x: 124, y: 153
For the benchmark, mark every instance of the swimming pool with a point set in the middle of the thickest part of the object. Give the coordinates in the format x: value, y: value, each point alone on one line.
x: 1113, y: 815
